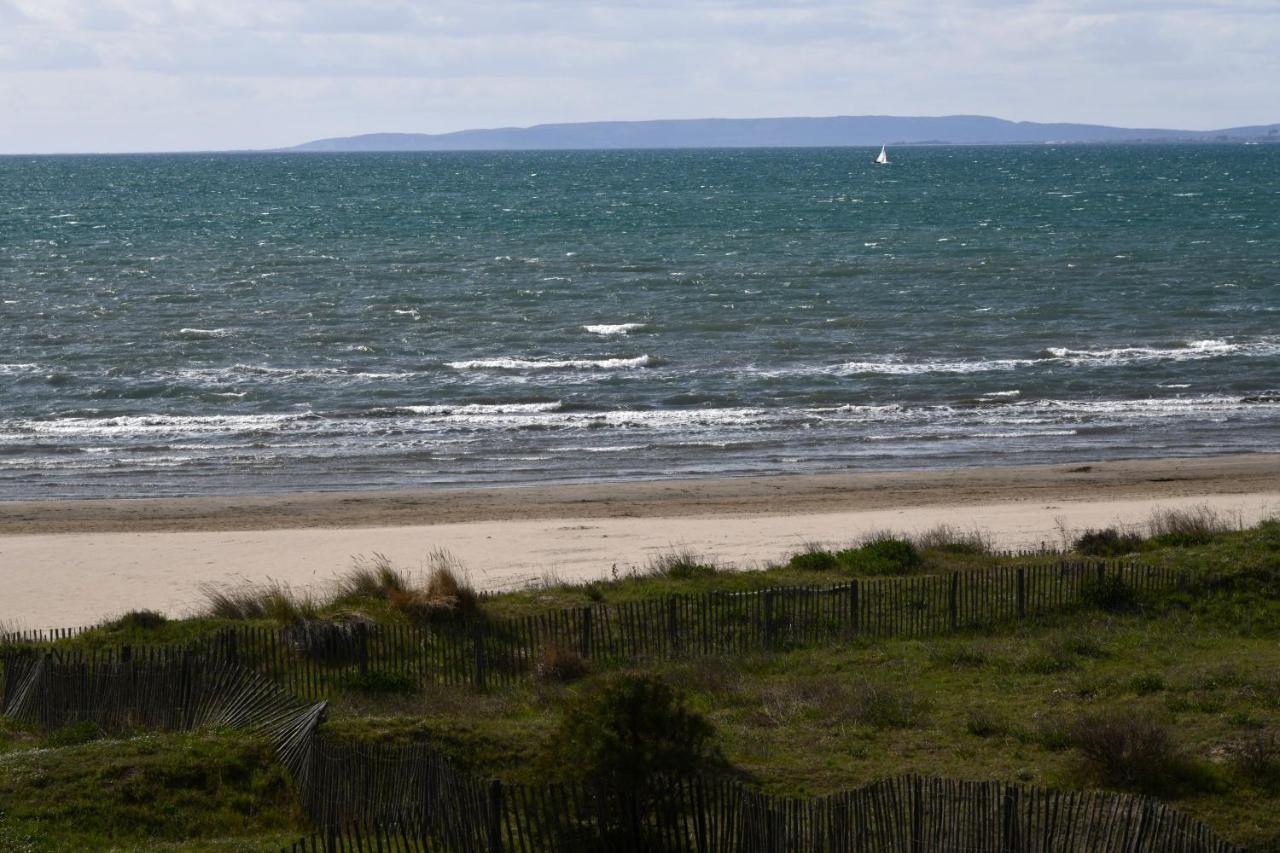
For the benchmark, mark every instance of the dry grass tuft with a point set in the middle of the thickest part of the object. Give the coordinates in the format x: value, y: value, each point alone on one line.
x: 272, y: 600
x: 372, y: 577
x: 680, y: 564
x: 954, y: 540
x: 560, y: 663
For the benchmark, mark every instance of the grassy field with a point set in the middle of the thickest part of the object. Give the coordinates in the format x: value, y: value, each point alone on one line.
x: 1177, y: 696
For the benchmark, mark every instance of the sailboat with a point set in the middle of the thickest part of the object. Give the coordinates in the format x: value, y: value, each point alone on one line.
x: 883, y: 159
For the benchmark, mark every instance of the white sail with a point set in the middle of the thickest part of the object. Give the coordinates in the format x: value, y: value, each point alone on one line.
x: 883, y: 158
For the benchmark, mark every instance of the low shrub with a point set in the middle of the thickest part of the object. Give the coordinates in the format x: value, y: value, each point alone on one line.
x: 628, y: 730
x: 335, y: 641
x: 1111, y: 593
x: 1187, y: 527
x: 137, y: 620
x: 560, y: 663
x: 886, y: 706
x: 1257, y: 758
x: 814, y: 558
x: 1107, y: 542
x: 1130, y: 751
x: 955, y: 654
x: 982, y: 722
x: 894, y: 554
x: 379, y: 681
x: 1146, y: 683
x: 75, y: 734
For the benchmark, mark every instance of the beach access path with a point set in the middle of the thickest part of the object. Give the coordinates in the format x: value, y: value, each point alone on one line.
x: 72, y: 562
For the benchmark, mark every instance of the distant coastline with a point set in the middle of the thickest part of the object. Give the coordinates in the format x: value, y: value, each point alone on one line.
x: 799, y: 132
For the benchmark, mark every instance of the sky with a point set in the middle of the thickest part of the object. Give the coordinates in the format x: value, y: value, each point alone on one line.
x: 175, y: 75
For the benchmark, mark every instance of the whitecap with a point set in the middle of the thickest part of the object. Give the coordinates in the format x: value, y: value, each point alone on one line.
x: 552, y: 364
x: 903, y: 368
x: 608, y: 329
x: 483, y: 408
x: 205, y: 333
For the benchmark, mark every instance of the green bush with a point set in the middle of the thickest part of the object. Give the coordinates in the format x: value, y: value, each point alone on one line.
x: 626, y: 731
x: 814, y: 560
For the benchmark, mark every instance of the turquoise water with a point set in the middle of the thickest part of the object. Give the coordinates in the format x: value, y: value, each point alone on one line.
x: 195, y: 324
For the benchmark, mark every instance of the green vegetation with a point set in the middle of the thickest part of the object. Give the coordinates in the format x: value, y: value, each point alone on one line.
x: 201, y: 792
x: 1175, y: 695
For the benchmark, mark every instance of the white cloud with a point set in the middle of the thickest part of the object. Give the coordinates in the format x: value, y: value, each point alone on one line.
x: 131, y: 74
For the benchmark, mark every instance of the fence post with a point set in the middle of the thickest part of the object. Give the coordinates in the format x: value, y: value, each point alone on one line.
x: 673, y: 633
x: 952, y: 595
x: 1010, y: 840
x: 917, y: 815
x: 768, y: 618
x: 584, y: 639
x: 853, y: 605
x: 495, y: 816
x: 362, y: 643
x: 479, y: 654
x: 1022, y: 592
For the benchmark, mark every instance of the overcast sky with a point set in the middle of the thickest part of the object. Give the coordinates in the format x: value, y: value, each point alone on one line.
x: 131, y: 75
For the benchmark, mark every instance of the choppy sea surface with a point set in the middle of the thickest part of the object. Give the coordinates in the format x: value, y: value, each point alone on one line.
x: 201, y: 324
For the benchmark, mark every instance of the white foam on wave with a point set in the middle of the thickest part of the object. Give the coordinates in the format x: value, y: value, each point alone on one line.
x: 188, y: 332
x: 155, y: 425
x: 1104, y: 357
x: 905, y: 368
x: 240, y: 372
x: 610, y: 329
x: 484, y: 409
x: 552, y: 364
x: 1191, y: 350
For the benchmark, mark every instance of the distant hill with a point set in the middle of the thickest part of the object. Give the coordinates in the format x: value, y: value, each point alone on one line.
x: 778, y: 133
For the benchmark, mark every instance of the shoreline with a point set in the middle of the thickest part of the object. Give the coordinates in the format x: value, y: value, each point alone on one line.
x: 725, y: 496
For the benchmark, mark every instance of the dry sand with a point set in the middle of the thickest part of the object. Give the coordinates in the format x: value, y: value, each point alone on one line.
x: 65, y: 563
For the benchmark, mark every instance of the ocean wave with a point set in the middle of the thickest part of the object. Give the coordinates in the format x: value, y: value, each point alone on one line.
x: 553, y: 364
x: 1103, y: 357
x: 153, y: 425
x: 1209, y: 348
x: 901, y: 368
x: 241, y: 372
x: 483, y: 409
x: 205, y: 333
x: 612, y: 329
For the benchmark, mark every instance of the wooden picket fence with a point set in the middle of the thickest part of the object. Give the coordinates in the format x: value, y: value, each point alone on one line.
x: 316, y: 659
x: 906, y: 814
x: 411, y: 797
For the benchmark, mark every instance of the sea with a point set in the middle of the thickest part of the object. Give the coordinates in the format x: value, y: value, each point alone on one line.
x: 213, y: 324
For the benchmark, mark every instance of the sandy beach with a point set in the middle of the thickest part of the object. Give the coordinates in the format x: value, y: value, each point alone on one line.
x: 65, y: 563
